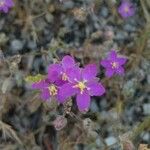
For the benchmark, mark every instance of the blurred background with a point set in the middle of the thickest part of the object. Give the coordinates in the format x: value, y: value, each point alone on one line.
x: 36, y: 33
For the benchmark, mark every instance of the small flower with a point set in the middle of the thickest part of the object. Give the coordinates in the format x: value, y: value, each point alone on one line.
x: 59, y: 70
x: 126, y: 9
x: 56, y: 77
x: 49, y: 86
x: 113, y: 64
x: 5, y: 5
x: 82, y: 83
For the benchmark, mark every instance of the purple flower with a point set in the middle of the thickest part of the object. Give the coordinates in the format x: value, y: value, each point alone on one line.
x: 83, y: 83
x: 59, y: 70
x: 47, y: 88
x: 113, y: 64
x: 5, y: 5
x: 55, y: 78
x: 126, y: 9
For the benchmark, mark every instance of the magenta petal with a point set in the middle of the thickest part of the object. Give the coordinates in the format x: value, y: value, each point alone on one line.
x: 121, y: 61
x: 74, y: 74
x: 120, y: 71
x: 132, y: 11
x: 40, y: 85
x: 45, y: 95
x: 120, y: 10
x: 60, y: 82
x: 68, y: 62
x: 10, y: 3
x: 109, y: 72
x: 83, y: 101
x: 105, y: 63
x: 113, y: 55
x: 89, y: 72
x: 65, y: 92
x: 54, y: 71
x: 5, y: 9
x: 96, y: 89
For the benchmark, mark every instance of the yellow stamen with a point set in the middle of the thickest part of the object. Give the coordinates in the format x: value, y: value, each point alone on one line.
x: 52, y: 90
x: 64, y: 77
x: 114, y: 65
x: 126, y: 9
x: 1, y: 3
x: 81, y: 86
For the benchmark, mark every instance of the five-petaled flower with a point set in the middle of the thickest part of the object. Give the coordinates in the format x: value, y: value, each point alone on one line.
x: 49, y: 86
x: 126, y: 9
x: 113, y: 64
x: 83, y: 83
x: 5, y: 5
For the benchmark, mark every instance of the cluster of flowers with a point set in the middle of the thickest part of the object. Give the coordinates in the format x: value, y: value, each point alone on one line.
x: 67, y: 79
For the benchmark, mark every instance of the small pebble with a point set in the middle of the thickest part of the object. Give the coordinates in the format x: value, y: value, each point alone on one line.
x: 32, y: 45
x: 146, y: 136
x: 16, y: 45
x: 110, y: 140
x: 49, y: 18
x: 68, y: 5
x: 104, y: 12
x: 94, y: 106
x: 129, y: 28
x: 146, y: 109
x: 121, y: 35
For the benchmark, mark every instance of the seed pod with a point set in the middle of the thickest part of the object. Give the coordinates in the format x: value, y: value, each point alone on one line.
x: 60, y: 122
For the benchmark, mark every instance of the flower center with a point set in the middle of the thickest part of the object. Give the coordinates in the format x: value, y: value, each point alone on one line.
x: 126, y: 9
x: 64, y: 77
x: 52, y: 90
x: 114, y: 65
x: 2, y: 3
x: 81, y: 86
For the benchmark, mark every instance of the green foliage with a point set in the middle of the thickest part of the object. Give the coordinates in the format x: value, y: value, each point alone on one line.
x: 35, y: 78
x: 141, y: 127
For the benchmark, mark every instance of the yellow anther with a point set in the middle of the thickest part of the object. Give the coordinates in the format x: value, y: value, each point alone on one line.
x: 126, y: 9
x: 64, y: 77
x: 114, y: 65
x: 81, y: 86
x: 52, y: 90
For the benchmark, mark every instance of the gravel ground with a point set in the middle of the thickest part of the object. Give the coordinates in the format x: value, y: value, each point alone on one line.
x: 36, y: 33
